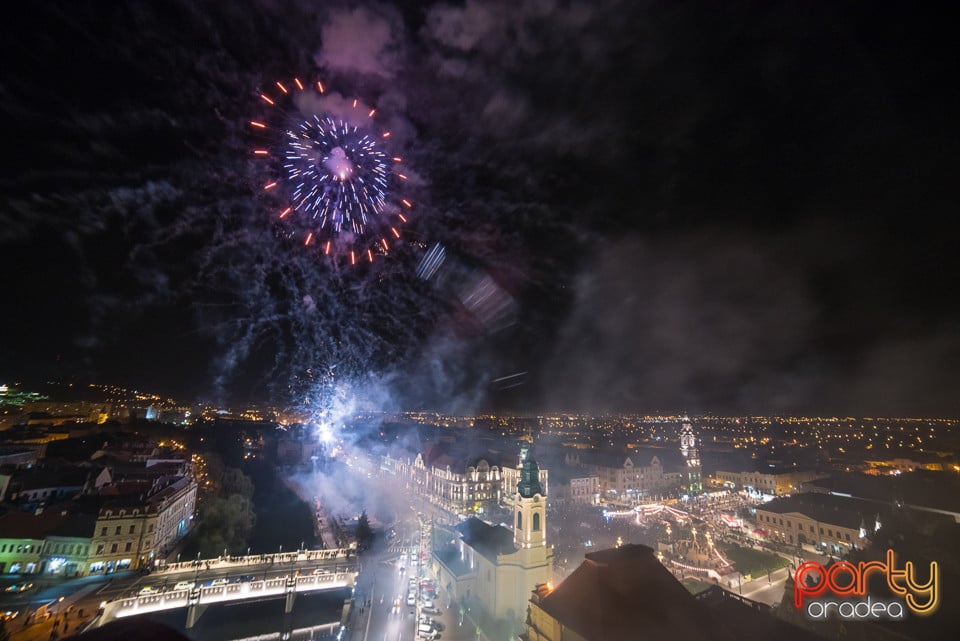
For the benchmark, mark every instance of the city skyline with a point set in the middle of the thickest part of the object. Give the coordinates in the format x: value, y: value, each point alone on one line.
x: 612, y: 207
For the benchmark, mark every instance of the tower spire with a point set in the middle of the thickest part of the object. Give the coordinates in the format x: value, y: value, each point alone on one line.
x: 530, y: 504
x: 688, y: 448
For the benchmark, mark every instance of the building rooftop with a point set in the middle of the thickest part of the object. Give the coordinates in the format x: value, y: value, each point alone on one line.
x: 488, y: 540
x: 926, y: 489
x: 50, y: 522
x: 625, y: 594
x: 836, y: 510
x: 41, y: 478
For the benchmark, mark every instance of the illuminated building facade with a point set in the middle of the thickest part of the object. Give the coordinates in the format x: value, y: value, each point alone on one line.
x: 133, y: 532
x: 495, y: 567
x: 52, y: 541
x: 459, y: 485
x: 832, y: 524
x: 771, y: 484
x: 693, y: 475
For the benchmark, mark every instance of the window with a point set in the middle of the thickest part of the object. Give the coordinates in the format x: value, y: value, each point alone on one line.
x: 113, y: 548
x: 150, y: 528
x: 519, y: 520
x: 536, y: 521
x: 821, y: 530
x: 118, y: 529
x: 788, y: 523
x: 133, y: 528
x: 847, y: 535
x: 811, y: 528
x: 829, y: 532
x: 100, y: 549
x: 128, y: 546
x: 103, y: 531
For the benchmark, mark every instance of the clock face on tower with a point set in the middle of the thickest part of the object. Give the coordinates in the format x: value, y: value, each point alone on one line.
x: 687, y: 440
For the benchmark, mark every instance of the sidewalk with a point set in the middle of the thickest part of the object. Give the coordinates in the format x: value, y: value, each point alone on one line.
x: 61, y: 618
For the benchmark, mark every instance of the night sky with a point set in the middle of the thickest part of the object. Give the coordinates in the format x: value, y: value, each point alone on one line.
x: 729, y: 207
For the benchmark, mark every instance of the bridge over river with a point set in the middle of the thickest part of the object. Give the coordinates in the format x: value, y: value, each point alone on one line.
x: 201, y: 583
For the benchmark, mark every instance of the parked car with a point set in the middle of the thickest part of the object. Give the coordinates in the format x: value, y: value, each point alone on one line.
x: 184, y: 585
x: 430, y: 610
x: 19, y: 587
x: 439, y: 627
x: 217, y: 582
x: 147, y: 589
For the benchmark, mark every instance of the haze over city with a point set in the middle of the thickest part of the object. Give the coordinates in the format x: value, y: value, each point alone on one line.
x: 643, y: 207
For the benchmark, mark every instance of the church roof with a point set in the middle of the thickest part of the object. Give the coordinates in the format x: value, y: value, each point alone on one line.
x: 488, y: 540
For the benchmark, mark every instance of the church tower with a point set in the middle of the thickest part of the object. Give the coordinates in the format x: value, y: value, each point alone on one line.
x: 530, y: 505
x: 693, y: 482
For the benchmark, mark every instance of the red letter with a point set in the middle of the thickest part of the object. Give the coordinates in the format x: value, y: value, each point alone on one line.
x: 800, y: 587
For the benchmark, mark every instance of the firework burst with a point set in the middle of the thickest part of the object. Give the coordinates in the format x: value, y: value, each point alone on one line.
x: 328, y: 173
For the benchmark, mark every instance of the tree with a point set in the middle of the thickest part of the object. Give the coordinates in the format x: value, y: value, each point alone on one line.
x: 235, y: 481
x: 225, y: 524
x: 364, y: 532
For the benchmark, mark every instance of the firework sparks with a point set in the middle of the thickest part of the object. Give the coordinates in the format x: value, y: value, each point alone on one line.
x: 334, y: 172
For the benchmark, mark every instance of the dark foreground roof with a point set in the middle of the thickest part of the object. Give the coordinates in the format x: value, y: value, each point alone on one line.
x: 625, y: 594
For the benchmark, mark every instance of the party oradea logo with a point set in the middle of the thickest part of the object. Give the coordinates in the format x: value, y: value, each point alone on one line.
x: 840, y: 590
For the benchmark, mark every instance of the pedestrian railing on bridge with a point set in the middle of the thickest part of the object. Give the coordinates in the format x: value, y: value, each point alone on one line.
x: 224, y: 562
x: 196, y: 599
